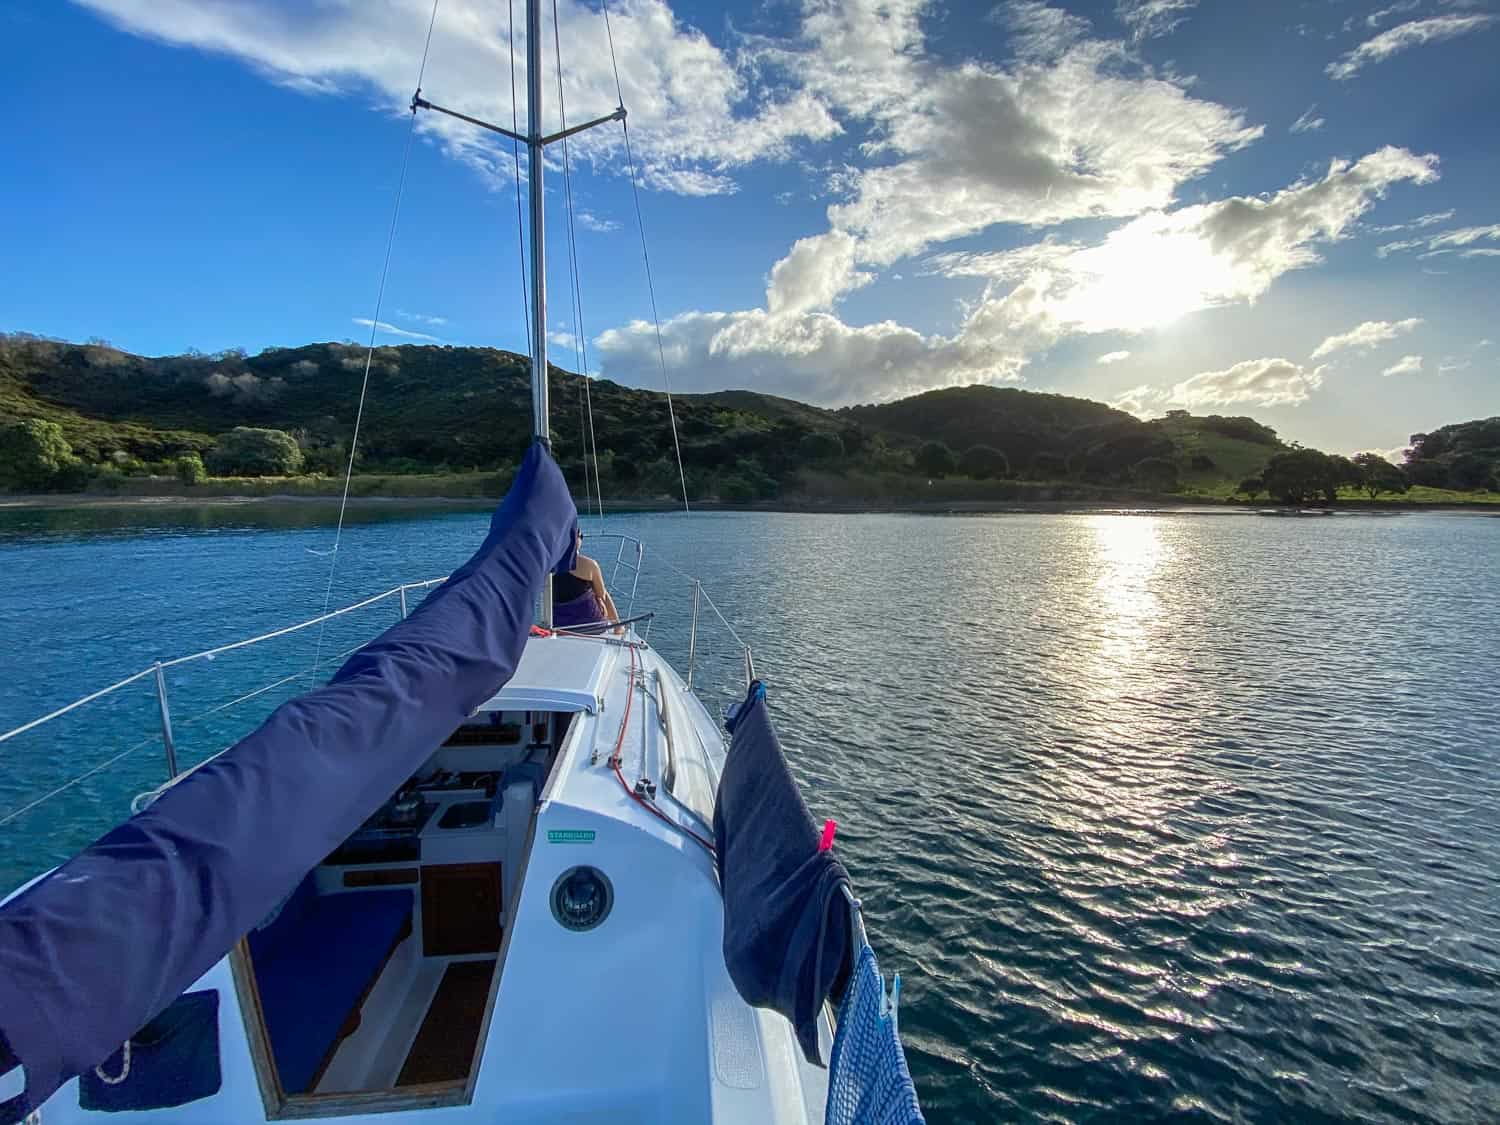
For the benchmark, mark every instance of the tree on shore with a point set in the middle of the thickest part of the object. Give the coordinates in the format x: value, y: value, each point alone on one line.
x: 1155, y: 473
x: 983, y: 461
x: 1302, y: 476
x: 935, y: 459
x: 253, y: 452
x: 1251, y: 487
x: 189, y: 469
x: 34, y: 454
x: 1378, y: 475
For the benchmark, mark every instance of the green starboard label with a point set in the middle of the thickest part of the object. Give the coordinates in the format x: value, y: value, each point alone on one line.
x: 570, y: 835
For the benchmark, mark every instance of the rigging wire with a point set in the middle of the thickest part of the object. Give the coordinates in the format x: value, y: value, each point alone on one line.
x: 364, y: 385
x: 515, y: 152
x: 580, y: 345
x: 640, y: 223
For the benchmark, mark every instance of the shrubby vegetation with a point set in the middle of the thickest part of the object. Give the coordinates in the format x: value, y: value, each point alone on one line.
x: 92, y: 415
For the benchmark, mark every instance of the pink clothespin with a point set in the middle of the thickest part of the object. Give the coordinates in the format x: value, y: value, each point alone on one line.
x: 829, y: 828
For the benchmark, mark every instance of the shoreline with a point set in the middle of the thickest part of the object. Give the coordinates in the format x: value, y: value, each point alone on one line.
x: 1167, y: 505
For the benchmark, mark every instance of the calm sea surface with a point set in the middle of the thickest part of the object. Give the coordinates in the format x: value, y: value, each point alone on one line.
x: 1190, y: 817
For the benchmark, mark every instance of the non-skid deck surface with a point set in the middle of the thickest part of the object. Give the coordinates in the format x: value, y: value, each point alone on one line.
x: 445, y: 1043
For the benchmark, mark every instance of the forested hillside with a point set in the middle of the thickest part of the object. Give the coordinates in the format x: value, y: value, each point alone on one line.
x: 453, y: 410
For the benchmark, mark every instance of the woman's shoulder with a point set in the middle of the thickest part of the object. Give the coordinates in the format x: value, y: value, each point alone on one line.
x: 586, y: 567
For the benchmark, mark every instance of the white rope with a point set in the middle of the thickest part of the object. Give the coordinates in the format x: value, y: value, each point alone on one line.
x: 210, y: 653
x: 640, y: 224
x: 364, y: 384
x: 47, y: 718
x: 124, y: 1067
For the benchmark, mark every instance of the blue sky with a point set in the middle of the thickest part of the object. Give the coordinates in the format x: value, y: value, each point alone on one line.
x: 1281, y: 209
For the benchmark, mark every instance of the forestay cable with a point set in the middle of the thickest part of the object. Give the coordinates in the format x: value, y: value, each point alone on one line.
x: 364, y: 384
x: 640, y: 224
x: 515, y: 153
x: 580, y: 345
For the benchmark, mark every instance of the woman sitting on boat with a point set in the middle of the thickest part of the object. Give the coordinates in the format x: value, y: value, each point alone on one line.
x: 580, y: 597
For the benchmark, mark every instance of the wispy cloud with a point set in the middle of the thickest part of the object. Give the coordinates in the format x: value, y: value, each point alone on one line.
x: 385, y: 326
x: 422, y: 318
x: 1113, y: 357
x: 1148, y: 19
x: 1375, y: 19
x: 1406, y: 365
x: 1366, y: 336
x: 1403, y: 37
x: 590, y: 221
x: 1309, y: 122
x: 1421, y: 222
x: 1460, y: 240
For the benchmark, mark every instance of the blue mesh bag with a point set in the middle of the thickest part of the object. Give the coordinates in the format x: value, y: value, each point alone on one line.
x: 868, y: 1082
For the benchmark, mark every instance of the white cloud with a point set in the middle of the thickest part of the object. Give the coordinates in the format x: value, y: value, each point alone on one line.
x: 1464, y: 236
x: 1451, y: 363
x: 1144, y: 401
x: 1308, y: 122
x: 1150, y: 18
x: 562, y: 339
x: 1366, y: 336
x: 1037, y: 144
x: 384, y: 326
x: 1445, y: 242
x: 1112, y: 357
x: 422, y: 318
x: 696, y: 112
x: 812, y: 356
x: 1375, y: 19
x: 1165, y: 264
x: 814, y: 273
x: 1037, y: 30
x: 1403, y: 37
x: 1396, y: 456
x: 1406, y: 365
x: 1259, y: 382
x: 590, y: 221
x: 1155, y: 267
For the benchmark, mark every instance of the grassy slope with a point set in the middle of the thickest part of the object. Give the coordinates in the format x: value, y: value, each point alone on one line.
x: 435, y: 412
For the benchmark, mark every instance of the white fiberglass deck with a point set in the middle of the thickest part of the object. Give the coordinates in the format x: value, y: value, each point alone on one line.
x: 633, y: 1021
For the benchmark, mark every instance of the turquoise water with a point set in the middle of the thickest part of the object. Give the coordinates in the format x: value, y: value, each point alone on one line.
x: 1160, y: 816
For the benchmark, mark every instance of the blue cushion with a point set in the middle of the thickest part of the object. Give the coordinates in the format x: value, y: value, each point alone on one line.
x: 312, y: 965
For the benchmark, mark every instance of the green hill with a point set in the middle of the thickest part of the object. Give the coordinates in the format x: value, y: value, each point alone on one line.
x: 452, y: 410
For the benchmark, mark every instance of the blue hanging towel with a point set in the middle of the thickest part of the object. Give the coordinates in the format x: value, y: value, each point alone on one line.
x: 786, y: 921
x: 868, y: 1082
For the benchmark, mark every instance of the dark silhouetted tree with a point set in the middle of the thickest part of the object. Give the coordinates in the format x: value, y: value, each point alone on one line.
x: 1155, y: 473
x: 983, y: 461
x: 1301, y: 476
x: 935, y: 459
x: 1378, y: 475
x: 1251, y: 487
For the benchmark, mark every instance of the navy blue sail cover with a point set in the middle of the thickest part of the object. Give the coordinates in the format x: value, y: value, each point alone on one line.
x: 787, y: 941
x: 98, y: 948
